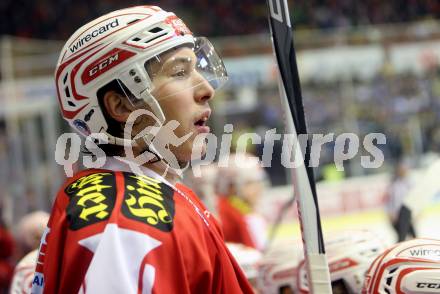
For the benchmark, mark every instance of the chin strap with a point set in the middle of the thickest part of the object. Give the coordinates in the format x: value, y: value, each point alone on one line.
x: 157, y: 159
x: 156, y: 113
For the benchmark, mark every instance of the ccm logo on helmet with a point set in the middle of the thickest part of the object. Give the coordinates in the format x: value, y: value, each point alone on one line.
x: 428, y: 285
x: 93, y: 34
x: 105, y: 63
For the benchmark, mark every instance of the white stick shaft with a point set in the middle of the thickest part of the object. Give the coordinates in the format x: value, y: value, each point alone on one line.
x: 317, y: 266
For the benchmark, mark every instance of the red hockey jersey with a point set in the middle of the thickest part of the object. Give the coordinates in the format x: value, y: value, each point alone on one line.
x: 118, y: 232
x: 233, y: 223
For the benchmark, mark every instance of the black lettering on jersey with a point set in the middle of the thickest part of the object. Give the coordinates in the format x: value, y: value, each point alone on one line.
x: 149, y: 201
x: 92, y: 199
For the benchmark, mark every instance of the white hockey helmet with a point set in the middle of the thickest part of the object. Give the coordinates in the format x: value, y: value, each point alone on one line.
x: 349, y: 256
x: 273, y: 278
x: 237, y: 170
x: 277, y: 269
x: 409, y: 267
x: 30, y: 229
x: 116, y: 47
x: 247, y: 258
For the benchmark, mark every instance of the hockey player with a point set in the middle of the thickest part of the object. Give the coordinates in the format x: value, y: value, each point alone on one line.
x: 115, y: 231
x: 398, y: 190
x: 408, y: 267
x: 419, y: 197
x: 203, y: 185
x: 240, y: 186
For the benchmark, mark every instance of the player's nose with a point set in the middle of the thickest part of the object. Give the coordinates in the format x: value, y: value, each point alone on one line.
x: 203, y: 89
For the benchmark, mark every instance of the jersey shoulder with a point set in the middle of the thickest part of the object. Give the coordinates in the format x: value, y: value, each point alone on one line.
x: 142, y: 202
x: 148, y: 201
x: 90, y: 197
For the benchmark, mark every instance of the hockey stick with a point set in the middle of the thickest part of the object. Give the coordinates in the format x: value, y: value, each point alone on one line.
x: 303, y: 180
x: 273, y: 232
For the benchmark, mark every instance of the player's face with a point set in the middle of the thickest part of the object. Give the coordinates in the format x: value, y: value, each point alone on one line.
x: 183, y: 95
x: 251, y: 192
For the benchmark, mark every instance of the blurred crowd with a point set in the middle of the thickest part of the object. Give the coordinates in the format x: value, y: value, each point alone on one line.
x: 405, y: 107
x: 57, y: 19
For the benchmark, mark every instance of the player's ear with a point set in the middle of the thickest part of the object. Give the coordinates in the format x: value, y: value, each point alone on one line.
x: 118, y: 107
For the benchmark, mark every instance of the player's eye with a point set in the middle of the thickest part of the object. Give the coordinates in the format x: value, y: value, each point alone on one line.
x: 179, y: 73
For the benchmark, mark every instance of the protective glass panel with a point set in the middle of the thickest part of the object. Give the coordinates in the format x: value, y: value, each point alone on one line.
x: 184, y: 68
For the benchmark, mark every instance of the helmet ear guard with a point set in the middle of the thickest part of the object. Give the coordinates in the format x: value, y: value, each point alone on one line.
x: 137, y: 80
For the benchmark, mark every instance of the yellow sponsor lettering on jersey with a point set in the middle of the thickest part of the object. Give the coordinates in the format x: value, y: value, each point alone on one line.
x: 146, y: 201
x: 92, y: 199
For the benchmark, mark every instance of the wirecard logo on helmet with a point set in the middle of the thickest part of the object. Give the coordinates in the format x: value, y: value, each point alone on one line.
x: 430, y: 251
x: 93, y: 34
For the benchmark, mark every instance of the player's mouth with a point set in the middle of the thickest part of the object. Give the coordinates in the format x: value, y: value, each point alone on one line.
x: 201, y: 120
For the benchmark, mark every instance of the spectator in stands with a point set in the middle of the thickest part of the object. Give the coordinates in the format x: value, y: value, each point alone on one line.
x: 48, y: 19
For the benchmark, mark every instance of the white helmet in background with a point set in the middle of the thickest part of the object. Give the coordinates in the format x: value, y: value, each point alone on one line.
x: 24, y: 274
x: 247, y: 258
x: 30, y: 229
x: 277, y: 270
x: 115, y: 48
x: 237, y: 170
x: 349, y: 255
x: 409, y: 267
x: 275, y: 278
